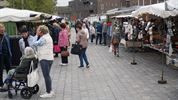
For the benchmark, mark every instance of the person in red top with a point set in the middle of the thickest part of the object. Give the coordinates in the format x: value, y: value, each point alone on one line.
x: 63, y: 43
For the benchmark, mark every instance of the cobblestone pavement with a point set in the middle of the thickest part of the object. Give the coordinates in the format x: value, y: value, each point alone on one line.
x: 110, y: 78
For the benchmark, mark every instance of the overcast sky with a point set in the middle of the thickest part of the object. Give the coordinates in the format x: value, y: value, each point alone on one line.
x: 63, y: 2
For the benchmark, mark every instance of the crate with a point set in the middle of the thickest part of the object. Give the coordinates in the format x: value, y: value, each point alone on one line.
x: 134, y: 44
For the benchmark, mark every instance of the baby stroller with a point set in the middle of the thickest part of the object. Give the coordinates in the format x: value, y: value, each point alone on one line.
x: 18, y: 81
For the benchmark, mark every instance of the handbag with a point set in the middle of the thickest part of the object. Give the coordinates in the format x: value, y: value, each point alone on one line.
x: 33, y: 76
x: 115, y: 42
x: 65, y: 53
x: 76, y: 49
x: 56, y: 49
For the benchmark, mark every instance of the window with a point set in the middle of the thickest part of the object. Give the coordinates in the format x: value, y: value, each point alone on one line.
x: 160, y: 0
x: 127, y: 3
x: 115, y: 4
x: 112, y: 4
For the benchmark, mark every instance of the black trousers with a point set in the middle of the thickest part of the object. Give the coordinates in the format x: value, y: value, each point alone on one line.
x: 104, y: 38
x: 92, y: 37
x: 64, y: 59
x: 99, y: 36
x: 5, y: 62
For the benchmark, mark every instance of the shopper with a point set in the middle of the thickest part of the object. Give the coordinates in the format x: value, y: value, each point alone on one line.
x: 92, y: 32
x: 5, y: 53
x: 63, y: 43
x: 45, y: 55
x: 99, y: 33
x: 104, y: 33
x: 82, y: 40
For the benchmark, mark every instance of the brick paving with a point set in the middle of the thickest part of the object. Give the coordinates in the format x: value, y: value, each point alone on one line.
x: 110, y: 78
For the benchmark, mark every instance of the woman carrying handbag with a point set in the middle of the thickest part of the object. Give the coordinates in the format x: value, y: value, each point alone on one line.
x: 63, y: 44
x: 82, y: 40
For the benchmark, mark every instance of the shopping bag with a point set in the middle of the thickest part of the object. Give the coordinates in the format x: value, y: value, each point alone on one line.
x: 33, y: 76
x: 64, y: 53
x: 110, y: 48
x: 123, y: 42
x: 76, y: 49
x: 115, y: 42
x: 56, y: 49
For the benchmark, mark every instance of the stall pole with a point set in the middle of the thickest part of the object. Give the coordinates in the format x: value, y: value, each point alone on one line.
x: 162, y: 81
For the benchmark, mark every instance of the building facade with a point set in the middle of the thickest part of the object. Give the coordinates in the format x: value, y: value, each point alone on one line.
x: 64, y: 11
x: 84, y: 8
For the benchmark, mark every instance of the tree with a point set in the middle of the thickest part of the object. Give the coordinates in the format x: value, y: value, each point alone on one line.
x: 46, y: 6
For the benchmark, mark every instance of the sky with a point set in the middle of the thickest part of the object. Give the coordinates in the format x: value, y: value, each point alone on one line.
x: 63, y: 2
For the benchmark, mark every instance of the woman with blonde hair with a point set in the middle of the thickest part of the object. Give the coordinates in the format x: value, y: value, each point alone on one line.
x: 45, y: 55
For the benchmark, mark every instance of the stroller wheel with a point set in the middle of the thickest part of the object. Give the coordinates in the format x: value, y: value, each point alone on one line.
x: 10, y: 95
x: 26, y: 93
x: 35, y: 89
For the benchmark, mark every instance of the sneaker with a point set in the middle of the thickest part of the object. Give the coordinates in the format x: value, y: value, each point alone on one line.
x: 63, y: 64
x: 47, y: 95
x: 80, y: 66
x: 88, y: 66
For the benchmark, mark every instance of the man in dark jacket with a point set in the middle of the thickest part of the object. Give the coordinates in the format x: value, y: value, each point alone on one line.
x: 5, y: 53
x: 99, y: 33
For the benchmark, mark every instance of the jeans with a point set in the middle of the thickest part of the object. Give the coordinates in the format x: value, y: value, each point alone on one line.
x: 46, y: 68
x: 5, y: 60
x: 82, y: 57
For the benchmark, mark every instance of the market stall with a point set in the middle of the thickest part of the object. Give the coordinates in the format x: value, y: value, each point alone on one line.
x: 122, y: 17
x: 13, y: 19
x: 160, y: 28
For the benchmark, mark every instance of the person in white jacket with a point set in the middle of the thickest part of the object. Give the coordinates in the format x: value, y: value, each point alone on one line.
x: 44, y: 44
x: 84, y: 28
x: 92, y: 32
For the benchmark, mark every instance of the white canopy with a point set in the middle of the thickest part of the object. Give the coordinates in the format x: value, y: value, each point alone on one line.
x: 172, y: 4
x: 156, y: 9
x: 122, y: 16
x: 16, y: 15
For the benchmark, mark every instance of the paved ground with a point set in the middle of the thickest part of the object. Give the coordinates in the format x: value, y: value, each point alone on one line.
x: 110, y: 78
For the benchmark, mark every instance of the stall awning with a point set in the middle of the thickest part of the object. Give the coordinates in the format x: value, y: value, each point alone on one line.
x: 156, y: 9
x: 122, y: 10
x: 16, y: 15
x: 172, y: 4
x: 122, y: 16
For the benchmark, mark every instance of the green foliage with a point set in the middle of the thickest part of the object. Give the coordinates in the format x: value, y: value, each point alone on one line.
x: 46, y: 6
